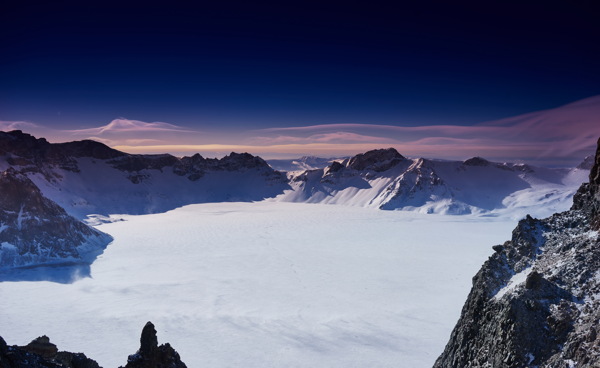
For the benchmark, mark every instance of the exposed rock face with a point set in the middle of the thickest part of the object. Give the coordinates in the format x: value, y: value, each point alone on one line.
x: 476, y: 161
x: 587, y: 163
x: 41, y: 353
x: 34, y: 230
x: 536, y: 301
x: 153, y: 355
x: 196, y: 166
x: 376, y: 160
x: 37, y: 153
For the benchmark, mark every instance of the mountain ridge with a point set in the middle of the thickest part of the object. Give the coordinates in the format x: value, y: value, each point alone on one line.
x: 392, y: 182
x: 536, y: 300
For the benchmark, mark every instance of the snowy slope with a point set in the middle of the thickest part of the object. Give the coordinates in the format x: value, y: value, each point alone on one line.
x: 99, y: 188
x: 302, y: 164
x: 389, y: 181
x: 266, y: 285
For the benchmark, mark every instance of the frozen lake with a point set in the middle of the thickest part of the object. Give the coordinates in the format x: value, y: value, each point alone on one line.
x: 266, y: 285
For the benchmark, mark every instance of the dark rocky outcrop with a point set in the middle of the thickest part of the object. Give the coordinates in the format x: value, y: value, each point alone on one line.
x: 587, y: 163
x: 536, y: 300
x: 196, y: 166
x: 41, y: 353
x: 34, y: 230
x: 153, y: 355
x: 377, y: 160
x: 34, y: 154
x: 131, y: 163
x: 476, y: 161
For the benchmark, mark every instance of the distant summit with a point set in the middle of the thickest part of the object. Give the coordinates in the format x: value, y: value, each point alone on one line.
x: 476, y: 161
x: 387, y: 180
x: 377, y: 160
x: 587, y: 163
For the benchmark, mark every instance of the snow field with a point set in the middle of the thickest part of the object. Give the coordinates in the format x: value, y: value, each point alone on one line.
x: 266, y: 285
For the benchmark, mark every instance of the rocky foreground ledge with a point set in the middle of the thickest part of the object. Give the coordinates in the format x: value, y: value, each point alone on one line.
x: 41, y: 353
x: 536, y: 300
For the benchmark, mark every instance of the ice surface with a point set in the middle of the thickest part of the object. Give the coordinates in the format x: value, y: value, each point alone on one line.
x: 266, y: 285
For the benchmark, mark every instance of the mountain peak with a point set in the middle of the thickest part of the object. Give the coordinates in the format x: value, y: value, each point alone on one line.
x: 235, y: 161
x: 586, y: 164
x: 376, y: 160
x: 476, y: 161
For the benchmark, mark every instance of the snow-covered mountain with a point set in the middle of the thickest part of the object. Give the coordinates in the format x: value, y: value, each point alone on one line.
x: 46, y: 189
x: 303, y: 163
x: 87, y: 177
x: 387, y: 180
x: 36, y: 231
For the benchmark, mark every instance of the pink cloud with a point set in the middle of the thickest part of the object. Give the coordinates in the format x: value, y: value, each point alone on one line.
x: 334, y: 138
x: 121, y: 125
x: 566, y: 133
x: 17, y: 125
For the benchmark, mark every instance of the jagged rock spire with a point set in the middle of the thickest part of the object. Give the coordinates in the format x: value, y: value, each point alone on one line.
x: 151, y: 355
x: 148, y: 341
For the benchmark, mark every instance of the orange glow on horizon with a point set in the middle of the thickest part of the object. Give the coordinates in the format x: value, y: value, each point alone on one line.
x: 323, y: 149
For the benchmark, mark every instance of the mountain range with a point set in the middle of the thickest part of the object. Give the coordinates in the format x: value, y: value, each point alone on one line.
x: 52, y: 187
x: 387, y: 180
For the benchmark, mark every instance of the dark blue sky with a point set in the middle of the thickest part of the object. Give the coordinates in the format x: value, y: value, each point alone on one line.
x: 293, y: 63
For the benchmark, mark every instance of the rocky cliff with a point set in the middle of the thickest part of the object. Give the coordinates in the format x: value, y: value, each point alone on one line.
x: 536, y: 301
x: 36, y: 231
x: 41, y: 353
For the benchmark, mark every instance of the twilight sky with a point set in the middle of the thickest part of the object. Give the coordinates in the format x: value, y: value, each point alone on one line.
x: 294, y: 78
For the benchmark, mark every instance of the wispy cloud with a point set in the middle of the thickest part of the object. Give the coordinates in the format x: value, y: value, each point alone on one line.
x: 339, y: 137
x: 128, y: 132
x: 562, y: 135
x: 17, y: 125
x: 565, y: 133
x: 122, y: 125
